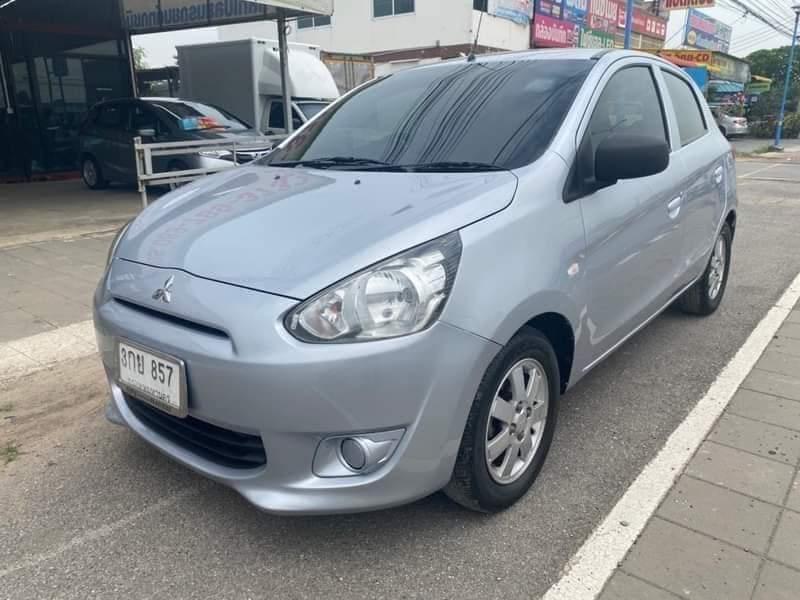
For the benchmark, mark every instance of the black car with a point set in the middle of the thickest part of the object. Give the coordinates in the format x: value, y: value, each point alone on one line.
x: 106, y: 138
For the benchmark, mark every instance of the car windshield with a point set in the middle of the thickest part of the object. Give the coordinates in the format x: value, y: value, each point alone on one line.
x: 310, y: 109
x: 476, y: 115
x: 194, y: 116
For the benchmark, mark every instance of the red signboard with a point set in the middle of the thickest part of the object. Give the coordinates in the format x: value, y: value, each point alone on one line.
x: 603, y: 15
x: 554, y: 33
x: 643, y: 22
x: 684, y: 4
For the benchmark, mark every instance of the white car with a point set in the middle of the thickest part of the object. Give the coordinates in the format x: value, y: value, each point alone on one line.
x: 730, y: 126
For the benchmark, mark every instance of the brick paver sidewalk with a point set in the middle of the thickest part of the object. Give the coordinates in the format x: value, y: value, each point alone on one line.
x: 729, y: 529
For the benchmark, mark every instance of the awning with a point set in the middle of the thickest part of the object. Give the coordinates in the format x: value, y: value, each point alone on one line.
x: 321, y: 7
x: 725, y: 87
x: 149, y: 16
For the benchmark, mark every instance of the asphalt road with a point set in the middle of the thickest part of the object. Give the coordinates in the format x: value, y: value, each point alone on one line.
x: 89, y: 511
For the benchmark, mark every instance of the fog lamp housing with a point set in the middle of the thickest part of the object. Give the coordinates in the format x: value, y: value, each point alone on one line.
x: 355, y: 454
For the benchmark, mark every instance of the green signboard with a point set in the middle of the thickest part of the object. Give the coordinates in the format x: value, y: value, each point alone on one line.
x: 594, y: 38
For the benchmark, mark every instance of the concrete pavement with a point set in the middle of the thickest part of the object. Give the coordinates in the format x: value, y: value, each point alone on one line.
x: 52, y: 210
x: 90, y: 511
x: 730, y: 526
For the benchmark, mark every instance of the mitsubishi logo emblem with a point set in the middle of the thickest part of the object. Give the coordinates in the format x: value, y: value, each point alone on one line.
x: 165, y: 293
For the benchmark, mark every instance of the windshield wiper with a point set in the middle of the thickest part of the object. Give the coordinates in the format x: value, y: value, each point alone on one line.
x: 332, y: 161
x: 446, y: 167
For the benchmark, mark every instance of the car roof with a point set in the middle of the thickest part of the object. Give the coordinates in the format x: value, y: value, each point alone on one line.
x: 551, y: 54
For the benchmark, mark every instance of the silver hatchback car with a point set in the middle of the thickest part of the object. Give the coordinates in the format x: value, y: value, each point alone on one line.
x: 392, y: 302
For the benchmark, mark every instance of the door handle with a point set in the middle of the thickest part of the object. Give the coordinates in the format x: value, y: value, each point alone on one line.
x: 718, y: 175
x: 674, y: 207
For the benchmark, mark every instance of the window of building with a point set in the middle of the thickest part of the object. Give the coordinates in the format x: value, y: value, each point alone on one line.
x: 629, y: 104
x: 481, y: 5
x: 313, y: 21
x: 691, y: 124
x: 387, y: 8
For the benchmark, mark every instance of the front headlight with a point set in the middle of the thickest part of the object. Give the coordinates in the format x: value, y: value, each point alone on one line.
x: 401, y: 295
x: 218, y: 154
x: 117, y: 238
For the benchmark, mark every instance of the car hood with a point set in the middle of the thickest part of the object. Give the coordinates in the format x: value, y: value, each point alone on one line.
x: 296, y: 231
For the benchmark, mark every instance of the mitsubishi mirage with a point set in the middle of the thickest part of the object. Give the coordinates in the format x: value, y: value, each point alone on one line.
x: 394, y: 300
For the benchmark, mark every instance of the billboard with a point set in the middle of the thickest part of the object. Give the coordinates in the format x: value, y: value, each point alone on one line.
x: 575, y: 11
x: 684, y: 4
x: 519, y: 11
x: 701, y: 57
x: 644, y: 22
x: 143, y: 16
x: 553, y: 33
x: 550, y: 8
x: 596, y: 39
x: 704, y: 32
x: 603, y: 15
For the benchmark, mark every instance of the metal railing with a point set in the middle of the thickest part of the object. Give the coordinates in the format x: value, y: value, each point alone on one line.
x: 145, y: 153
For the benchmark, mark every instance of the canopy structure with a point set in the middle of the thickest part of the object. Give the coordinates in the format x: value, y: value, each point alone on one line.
x: 149, y: 16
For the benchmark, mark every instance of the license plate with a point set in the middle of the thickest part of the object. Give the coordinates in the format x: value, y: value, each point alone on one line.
x: 153, y: 377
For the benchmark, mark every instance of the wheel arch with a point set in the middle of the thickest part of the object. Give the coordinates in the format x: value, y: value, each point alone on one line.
x: 730, y: 219
x: 558, y: 331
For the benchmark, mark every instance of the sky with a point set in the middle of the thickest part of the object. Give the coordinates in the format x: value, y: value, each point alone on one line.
x: 749, y: 34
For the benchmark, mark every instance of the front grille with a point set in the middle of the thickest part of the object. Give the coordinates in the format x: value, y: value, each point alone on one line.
x: 181, y: 322
x: 216, y: 444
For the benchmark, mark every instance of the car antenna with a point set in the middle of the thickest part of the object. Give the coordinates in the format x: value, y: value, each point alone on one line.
x: 471, y: 55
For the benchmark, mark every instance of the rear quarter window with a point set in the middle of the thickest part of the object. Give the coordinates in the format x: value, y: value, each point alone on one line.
x: 691, y: 122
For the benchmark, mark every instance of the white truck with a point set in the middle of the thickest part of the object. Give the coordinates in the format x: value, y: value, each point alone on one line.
x: 243, y: 77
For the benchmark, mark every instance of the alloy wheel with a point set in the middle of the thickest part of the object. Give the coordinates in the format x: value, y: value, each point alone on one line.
x: 89, y: 173
x: 718, y: 264
x: 516, y: 421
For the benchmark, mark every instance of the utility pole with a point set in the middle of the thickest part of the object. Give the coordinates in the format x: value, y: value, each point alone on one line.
x: 779, y: 128
x: 628, y: 23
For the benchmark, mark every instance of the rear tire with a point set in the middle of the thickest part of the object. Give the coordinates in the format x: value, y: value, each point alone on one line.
x: 92, y: 175
x: 705, y: 296
x: 480, y: 482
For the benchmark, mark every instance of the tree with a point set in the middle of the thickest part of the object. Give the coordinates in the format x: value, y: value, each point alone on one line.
x: 772, y: 64
x: 139, y: 58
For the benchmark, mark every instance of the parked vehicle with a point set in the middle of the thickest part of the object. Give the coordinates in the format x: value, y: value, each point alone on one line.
x: 244, y: 77
x: 393, y: 301
x: 729, y: 125
x: 107, y: 146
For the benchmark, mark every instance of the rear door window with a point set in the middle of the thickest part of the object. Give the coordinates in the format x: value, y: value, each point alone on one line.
x: 112, y: 116
x: 144, y: 118
x: 691, y: 124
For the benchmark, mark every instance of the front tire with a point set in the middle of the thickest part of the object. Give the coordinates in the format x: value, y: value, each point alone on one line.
x: 510, y: 426
x: 705, y: 296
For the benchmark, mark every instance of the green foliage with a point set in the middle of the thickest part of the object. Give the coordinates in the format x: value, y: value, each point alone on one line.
x: 791, y: 125
x: 772, y: 64
x: 769, y: 103
x: 766, y: 127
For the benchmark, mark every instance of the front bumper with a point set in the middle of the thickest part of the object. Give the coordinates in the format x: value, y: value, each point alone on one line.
x: 247, y: 374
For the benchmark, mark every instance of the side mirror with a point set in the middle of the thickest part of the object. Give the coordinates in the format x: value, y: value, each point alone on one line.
x: 628, y: 156
x: 146, y: 132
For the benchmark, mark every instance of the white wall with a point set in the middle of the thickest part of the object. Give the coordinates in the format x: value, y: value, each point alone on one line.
x: 500, y: 33
x: 354, y: 30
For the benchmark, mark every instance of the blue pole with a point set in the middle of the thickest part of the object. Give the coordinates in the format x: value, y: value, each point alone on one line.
x: 629, y: 23
x: 779, y: 128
